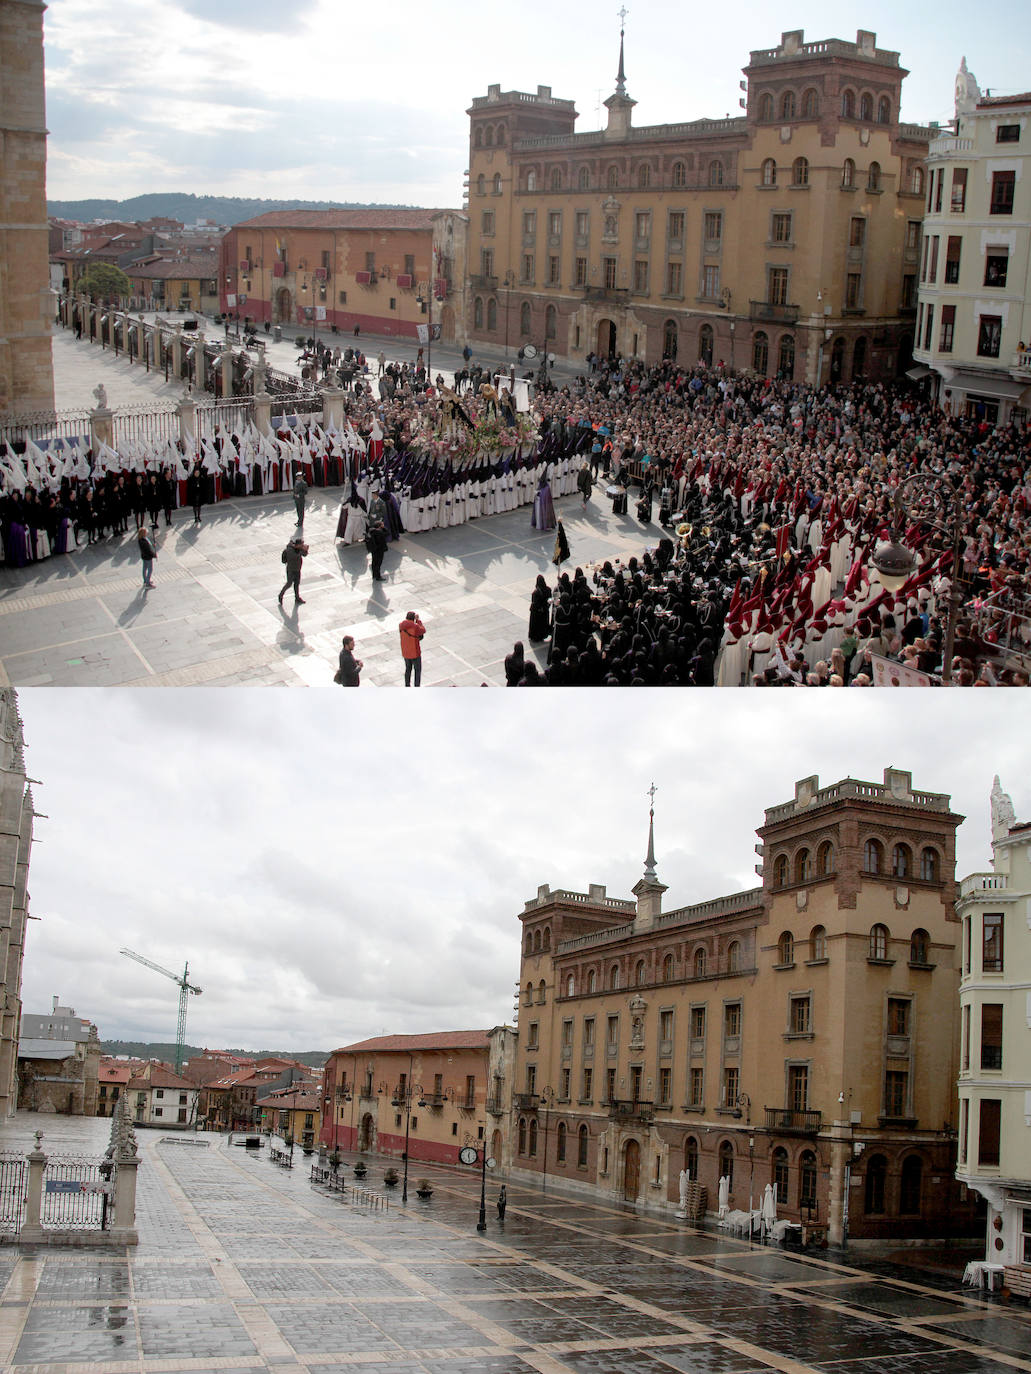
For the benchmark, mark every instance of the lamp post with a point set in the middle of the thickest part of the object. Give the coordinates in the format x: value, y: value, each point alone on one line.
x: 403, y: 1098
x: 547, y: 1097
x: 934, y: 501
x: 471, y: 1153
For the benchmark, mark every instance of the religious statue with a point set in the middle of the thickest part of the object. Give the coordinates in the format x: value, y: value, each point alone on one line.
x: 724, y: 1196
x: 1003, y: 815
x: 685, y: 1179
x: 100, y: 392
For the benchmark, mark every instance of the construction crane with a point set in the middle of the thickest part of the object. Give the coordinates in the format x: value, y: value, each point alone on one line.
x: 185, y: 988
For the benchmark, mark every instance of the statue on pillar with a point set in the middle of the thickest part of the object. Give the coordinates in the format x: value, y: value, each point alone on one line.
x: 1003, y: 815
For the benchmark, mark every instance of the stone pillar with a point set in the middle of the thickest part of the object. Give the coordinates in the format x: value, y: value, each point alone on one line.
x: 124, y: 1225
x: 32, y: 1230
x: 226, y: 369
x: 101, y: 427
x: 199, y: 365
x: 263, y: 412
x: 177, y: 353
x: 841, y: 1156
x: 188, y: 426
x: 259, y: 370
x: 332, y: 408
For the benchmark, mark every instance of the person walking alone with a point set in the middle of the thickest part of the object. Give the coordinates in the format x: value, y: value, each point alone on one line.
x: 300, y: 495
x: 147, y: 554
x: 412, y: 631
x: 348, y: 673
x: 293, y: 557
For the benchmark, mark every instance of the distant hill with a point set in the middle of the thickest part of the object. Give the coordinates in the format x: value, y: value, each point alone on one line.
x: 152, y: 1049
x: 187, y: 208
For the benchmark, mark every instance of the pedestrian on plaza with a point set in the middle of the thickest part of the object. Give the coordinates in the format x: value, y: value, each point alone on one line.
x: 412, y: 631
x: 357, y: 330
x: 515, y: 664
x: 348, y: 673
x: 147, y: 555
x: 138, y: 499
x: 376, y: 534
x: 195, y: 491
x: 467, y: 353
x: 293, y: 557
x: 153, y: 499
x: 502, y: 1203
x: 585, y: 483
x: 167, y: 493
x: 300, y: 493
x: 381, y: 360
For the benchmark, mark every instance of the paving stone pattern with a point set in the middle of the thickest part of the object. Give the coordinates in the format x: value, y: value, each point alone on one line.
x: 244, y: 1268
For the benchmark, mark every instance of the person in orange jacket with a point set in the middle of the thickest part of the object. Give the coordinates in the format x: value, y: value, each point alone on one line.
x: 412, y: 630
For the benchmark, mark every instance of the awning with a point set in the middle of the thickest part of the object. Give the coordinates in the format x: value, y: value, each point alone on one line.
x: 917, y: 374
x: 1000, y: 388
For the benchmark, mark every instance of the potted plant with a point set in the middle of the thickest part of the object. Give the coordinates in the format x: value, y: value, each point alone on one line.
x: 360, y: 1169
x: 391, y: 1177
x: 423, y: 1187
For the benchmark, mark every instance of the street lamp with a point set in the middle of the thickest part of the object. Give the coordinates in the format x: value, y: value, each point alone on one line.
x: 468, y: 1154
x: 547, y: 1097
x: 936, y: 503
x: 403, y: 1098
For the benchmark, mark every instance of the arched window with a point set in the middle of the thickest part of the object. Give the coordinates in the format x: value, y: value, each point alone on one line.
x: 533, y: 1137
x: 592, y: 979
x: 883, y: 110
x: 878, y: 941
x: 825, y: 859
x: 807, y: 1179
x: 910, y: 1185
x: 478, y: 313
x: 570, y: 985
x: 929, y: 865
x: 734, y: 956
x: 679, y: 174
x: 866, y: 107
x: 786, y: 948
x: 529, y: 942
x: 584, y: 178
x: 529, y: 994
x: 560, y: 1143
x: 837, y: 359
x: 800, y: 172
x: 670, y: 340
x: 550, y: 322
x: 691, y: 1158
x: 858, y: 357
x: 542, y: 991
x: 803, y: 866
x: 531, y: 180
x: 786, y: 358
x: 488, y: 136
x: 614, y: 977
x: 780, y: 1175
x: 848, y: 104
x: 873, y: 177
x: 547, y: 937
x: 716, y: 172
x: 536, y: 942
x: 876, y: 1173
x: 524, y: 318
x: 848, y: 174
x: 919, y: 943
x: 916, y: 181
x: 497, y: 183
x: 705, y: 345
x: 612, y: 178
x: 765, y: 107
x: 818, y: 942
x: 761, y: 353
x: 478, y: 138
x: 556, y: 178
x: 481, y: 185
x: 810, y: 104
x: 644, y: 176
x: 581, y: 1153
x: 769, y: 172
x: 522, y: 1135
x: 787, y: 105
x: 873, y: 856
x: 492, y: 314
x: 639, y: 973
x: 901, y: 861
x: 726, y: 1158
x: 780, y: 871
x: 501, y: 135
x: 699, y: 963
x: 667, y: 969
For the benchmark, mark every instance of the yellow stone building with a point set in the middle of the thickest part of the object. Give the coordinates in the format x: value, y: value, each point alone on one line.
x: 783, y: 240
x: 26, y: 302
x: 294, y: 1113
x: 802, y: 1034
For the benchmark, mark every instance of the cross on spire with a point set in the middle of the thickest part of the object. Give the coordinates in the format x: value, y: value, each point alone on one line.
x: 621, y: 74
x: 649, y: 862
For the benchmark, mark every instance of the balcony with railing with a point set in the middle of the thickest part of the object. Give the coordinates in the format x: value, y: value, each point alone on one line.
x: 526, y: 1102
x: 495, y: 1106
x: 793, y: 1121
x: 774, y: 312
x: 631, y: 1109
x: 989, y: 885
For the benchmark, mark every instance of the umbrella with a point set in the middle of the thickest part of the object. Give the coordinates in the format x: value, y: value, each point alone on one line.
x: 724, y: 1195
x: 769, y: 1206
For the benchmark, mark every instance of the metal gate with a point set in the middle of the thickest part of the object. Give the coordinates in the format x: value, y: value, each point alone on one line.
x: 75, y: 1193
x: 14, y: 1180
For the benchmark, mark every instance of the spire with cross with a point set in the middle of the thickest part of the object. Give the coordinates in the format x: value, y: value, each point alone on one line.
x: 621, y: 74
x: 649, y: 862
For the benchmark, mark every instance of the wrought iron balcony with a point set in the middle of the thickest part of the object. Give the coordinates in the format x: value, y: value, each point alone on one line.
x: 495, y: 1106
x: 526, y: 1102
x: 605, y: 293
x: 791, y: 1121
x: 432, y: 1100
x: 627, y: 1109
x: 773, y: 313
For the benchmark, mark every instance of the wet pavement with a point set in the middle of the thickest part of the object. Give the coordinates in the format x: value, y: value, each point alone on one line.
x: 243, y: 1267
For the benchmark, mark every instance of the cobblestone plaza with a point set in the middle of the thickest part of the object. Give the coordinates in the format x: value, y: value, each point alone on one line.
x: 243, y: 1267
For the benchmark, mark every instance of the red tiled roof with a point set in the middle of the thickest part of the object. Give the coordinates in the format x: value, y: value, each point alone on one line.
x: 341, y: 219
x: 176, y: 269
x: 438, y: 1040
x: 296, y: 1098
x: 1023, y: 99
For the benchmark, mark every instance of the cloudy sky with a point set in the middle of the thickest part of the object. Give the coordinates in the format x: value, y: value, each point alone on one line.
x: 334, y: 867
x: 314, y: 99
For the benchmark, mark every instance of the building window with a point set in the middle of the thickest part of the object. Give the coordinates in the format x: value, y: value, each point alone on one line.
x: 818, y: 942
x: 696, y: 1087
x: 732, y: 1020
x: 699, y: 963
x: 556, y: 179
x: 580, y: 271
x: 958, y: 200
x: 691, y: 1160
x: 848, y: 174
x: 803, y: 867
x: 529, y: 221
x: 780, y: 229
x: 487, y: 223
x: 929, y: 326
x: 674, y: 278
x: 876, y: 1173
x: 642, y: 224
x: 528, y: 268
x: 715, y: 173
x: 873, y: 177
x: 787, y: 105
x: 996, y: 263
x: 872, y: 856
x: 581, y: 1154
x: 780, y: 1175
x: 1007, y: 133
x: 991, y: 1035
x: 550, y: 322
x: 916, y: 181
x: 785, y: 948
x: 522, y: 1136
x: 798, y: 1087
x: 665, y: 1087
x: 705, y: 342
x: 898, y: 1015
x: 929, y: 866
x: 734, y: 957
x: 726, y: 1158
x: 896, y: 1092
x: 564, y: 1084
x: 612, y: 180
x: 497, y: 184
x: 608, y: 268
x: 800, y: 1016
x: 711, y: 281
x: 679, y: 176
x: 731, y: 1085
x: 533, y: 1036
x: 592, y: 980
x: 853, y: 291
x: 769, y: 172
x: 560, y: 1143
x: 675, y: 226
x: 765, y: 107
x: 639, y: 978
x: 918, y: 946
x: 901, y: 861
x: 1003, y: 186
x: 532, y: 1150
x: 697, y: 1023
x: 481, y: 185
x: 644, y: 176
x: 1025, y: 1235
x: 878, y: 942
x: 780, y: 871
x: 883, y: 110
x: 524, y: 318
x: 584, y: 179
x: 953, y: 251
x: 948, y: 327
x: 667, y: 969
x: 807, y: 1180
x: 988, y: 1132
x: 761, y: 353
x: 848, y: 104
x: 587, y: 1085
x: 610, y: 1085
x: 866, y: 107
x: 800, y: 172
x: 989, y: 336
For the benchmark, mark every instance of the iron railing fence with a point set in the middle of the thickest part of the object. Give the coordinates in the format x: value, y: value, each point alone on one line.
x: 14, y: 1178
x: 75, y: 1193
